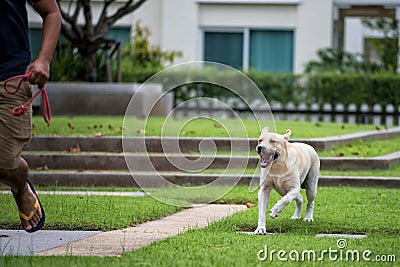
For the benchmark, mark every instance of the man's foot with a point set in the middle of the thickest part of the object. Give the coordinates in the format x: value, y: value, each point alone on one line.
x: 30, y: 210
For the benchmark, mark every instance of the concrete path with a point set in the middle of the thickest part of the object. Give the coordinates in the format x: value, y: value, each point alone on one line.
x: 21, y: 243
x: 112, y: 243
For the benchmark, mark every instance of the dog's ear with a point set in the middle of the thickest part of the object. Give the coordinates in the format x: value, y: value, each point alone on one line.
x: 265, y: 130
x: 287, y: 135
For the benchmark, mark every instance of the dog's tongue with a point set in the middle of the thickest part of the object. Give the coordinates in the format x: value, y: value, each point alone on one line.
x: 266, y: 159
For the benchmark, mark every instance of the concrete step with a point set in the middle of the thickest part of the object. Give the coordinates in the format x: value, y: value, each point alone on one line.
x: 124, y: 179
x: 187, y: 144
x: 189, y: 162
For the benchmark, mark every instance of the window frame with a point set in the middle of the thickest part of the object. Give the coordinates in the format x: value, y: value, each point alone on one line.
x: 246, y: 40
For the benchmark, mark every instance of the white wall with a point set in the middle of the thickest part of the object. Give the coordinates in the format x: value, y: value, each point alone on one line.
x: 254, y: 16
x: 150, y: 16
x: 177, y: 24
x: 314, y: 30
x: 35, y: 19
x: 180, y: 28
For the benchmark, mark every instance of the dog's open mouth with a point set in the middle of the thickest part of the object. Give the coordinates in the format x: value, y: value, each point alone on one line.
x: 267, y: 158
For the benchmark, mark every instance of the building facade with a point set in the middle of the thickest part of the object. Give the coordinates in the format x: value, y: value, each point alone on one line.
x: 266, y: 35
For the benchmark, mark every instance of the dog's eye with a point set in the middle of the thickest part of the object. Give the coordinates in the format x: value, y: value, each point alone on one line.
x: 272, y: 141
x: 260, y: 140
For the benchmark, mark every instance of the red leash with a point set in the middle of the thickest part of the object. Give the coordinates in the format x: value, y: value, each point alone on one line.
x: 19, y: 110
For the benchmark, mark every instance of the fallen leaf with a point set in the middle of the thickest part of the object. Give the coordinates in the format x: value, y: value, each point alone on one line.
x: 249, y: 205
x: 141, y: 131
x: 70, y: 126
x: 110, y: 127
x: 217, y: 125
x: 99, y: 134
x: 75, y: 149
x: 5, y: 235
x: 340, y: 154
x: 43, y: 168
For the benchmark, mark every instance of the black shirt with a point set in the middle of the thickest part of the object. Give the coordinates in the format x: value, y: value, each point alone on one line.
x: 15, y: 53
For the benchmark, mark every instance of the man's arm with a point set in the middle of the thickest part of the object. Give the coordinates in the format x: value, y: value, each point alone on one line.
x: 48, y: 10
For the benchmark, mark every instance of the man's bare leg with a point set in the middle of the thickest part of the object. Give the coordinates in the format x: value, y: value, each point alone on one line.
x: 23, y: 195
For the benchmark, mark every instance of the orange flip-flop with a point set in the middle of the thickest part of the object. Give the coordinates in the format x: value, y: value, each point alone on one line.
x: 30, y: 215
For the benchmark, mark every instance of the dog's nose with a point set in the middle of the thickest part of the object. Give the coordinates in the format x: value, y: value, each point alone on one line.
x: 259, y: 149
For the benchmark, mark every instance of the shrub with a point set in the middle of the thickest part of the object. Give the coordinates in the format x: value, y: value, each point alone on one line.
x: 358, y: 88
x: 141, y: 60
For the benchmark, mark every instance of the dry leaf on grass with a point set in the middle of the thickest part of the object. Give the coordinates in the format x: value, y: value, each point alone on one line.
x: 249, y: 205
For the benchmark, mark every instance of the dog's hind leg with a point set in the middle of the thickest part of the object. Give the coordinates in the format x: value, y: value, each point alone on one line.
x: 310, y: 205
x: 311, y: 192
x: 299, y: 205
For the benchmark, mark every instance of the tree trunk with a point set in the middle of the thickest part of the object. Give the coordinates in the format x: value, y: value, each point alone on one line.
x: 91, y: 68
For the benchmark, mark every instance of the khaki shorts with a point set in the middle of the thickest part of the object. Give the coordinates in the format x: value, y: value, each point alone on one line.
x: 15, y: 131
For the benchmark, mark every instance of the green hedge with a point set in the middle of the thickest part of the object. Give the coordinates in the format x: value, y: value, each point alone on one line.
x: 357, y: 88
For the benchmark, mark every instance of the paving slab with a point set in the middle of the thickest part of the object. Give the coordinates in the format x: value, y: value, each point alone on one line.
x: 21, y: 243
x: 124, y: 179
x: 341, y: 235
x: 118, y: 242
x: 86, y: 193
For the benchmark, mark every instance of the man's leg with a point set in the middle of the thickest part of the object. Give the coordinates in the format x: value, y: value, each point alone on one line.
x: 15, y: 132
x: 23, y: 195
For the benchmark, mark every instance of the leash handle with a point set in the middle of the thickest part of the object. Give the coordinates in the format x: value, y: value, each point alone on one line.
x: 20, y: 110
x: 22, y: 77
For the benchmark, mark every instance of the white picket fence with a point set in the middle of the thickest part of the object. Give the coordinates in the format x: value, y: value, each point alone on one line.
x: 231, y: 108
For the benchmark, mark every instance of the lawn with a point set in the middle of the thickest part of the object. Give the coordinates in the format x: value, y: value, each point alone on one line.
x: 88, y: 212
x: 369, y: 211
x: 371, y: 148
x: 113, y: 126
x: 337, y: 210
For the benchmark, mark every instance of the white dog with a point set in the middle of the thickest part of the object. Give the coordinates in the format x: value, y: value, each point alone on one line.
x: 292, y: 165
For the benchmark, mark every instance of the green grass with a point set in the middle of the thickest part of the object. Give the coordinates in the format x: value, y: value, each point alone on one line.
x: 337, y: 210
x: 392, y: 172
x: 371, y: 148
x: 113, y: 126
x: 88, y: 212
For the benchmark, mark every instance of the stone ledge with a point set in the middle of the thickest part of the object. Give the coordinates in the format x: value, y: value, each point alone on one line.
x: 124, y: 179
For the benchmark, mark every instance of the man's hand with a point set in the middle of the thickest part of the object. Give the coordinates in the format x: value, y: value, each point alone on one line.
x: 40, y: 72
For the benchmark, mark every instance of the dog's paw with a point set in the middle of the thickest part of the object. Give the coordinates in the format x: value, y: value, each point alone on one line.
x: 308, y: 219
x: 260, y: 231
x: 274, y: 212
x: 295, y: 217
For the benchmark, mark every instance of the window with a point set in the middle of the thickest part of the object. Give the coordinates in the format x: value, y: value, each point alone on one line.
x: 271, y: 51
x: 224, y: 47
x: 116, y: 33
x: 263, y: 50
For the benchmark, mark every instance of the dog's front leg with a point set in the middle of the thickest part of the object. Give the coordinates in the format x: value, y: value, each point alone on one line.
x: 281, y: 204
x: 263, y: 195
